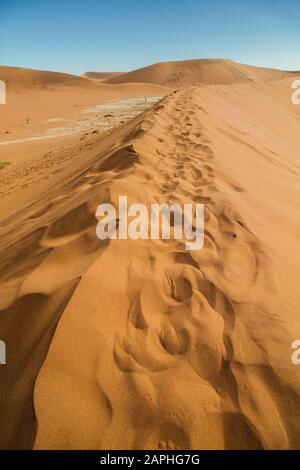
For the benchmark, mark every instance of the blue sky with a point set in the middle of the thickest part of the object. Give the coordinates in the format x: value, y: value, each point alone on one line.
x: 76, y: 36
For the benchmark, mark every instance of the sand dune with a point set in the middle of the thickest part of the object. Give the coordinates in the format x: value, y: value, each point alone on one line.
x: 193, y: 72
x: 196, y: 342
x: 141, y: 344
x: 20, y: 79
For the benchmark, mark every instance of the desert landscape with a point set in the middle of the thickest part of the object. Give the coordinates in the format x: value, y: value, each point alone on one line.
x: 140, y: 344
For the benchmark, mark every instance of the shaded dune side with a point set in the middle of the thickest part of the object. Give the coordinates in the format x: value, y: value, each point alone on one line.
x: 46, y: 247
x: 158, y: 347
x: 27, y: 328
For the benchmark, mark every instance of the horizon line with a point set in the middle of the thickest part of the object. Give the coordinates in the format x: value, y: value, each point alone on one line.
x: 149, y: 65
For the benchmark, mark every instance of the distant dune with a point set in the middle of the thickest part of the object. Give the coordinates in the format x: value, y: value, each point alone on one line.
x: 168, y: 74
x: 21, y: 79
x: 100, y: 75
x: 192, y: 72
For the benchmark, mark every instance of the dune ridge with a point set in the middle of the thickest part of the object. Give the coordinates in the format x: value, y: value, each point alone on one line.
x: 143, y: 344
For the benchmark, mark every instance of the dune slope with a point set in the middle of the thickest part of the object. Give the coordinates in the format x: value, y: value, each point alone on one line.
x: 20, y: 79
x: 154, y: 346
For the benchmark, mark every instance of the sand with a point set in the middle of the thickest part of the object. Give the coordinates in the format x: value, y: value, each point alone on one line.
x: 196, y: 72
x: 140, y: 344
x: 49, y: 118
x: 38, y: 100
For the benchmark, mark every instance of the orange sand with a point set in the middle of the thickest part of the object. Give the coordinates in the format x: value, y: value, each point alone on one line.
x: 141, y: 344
